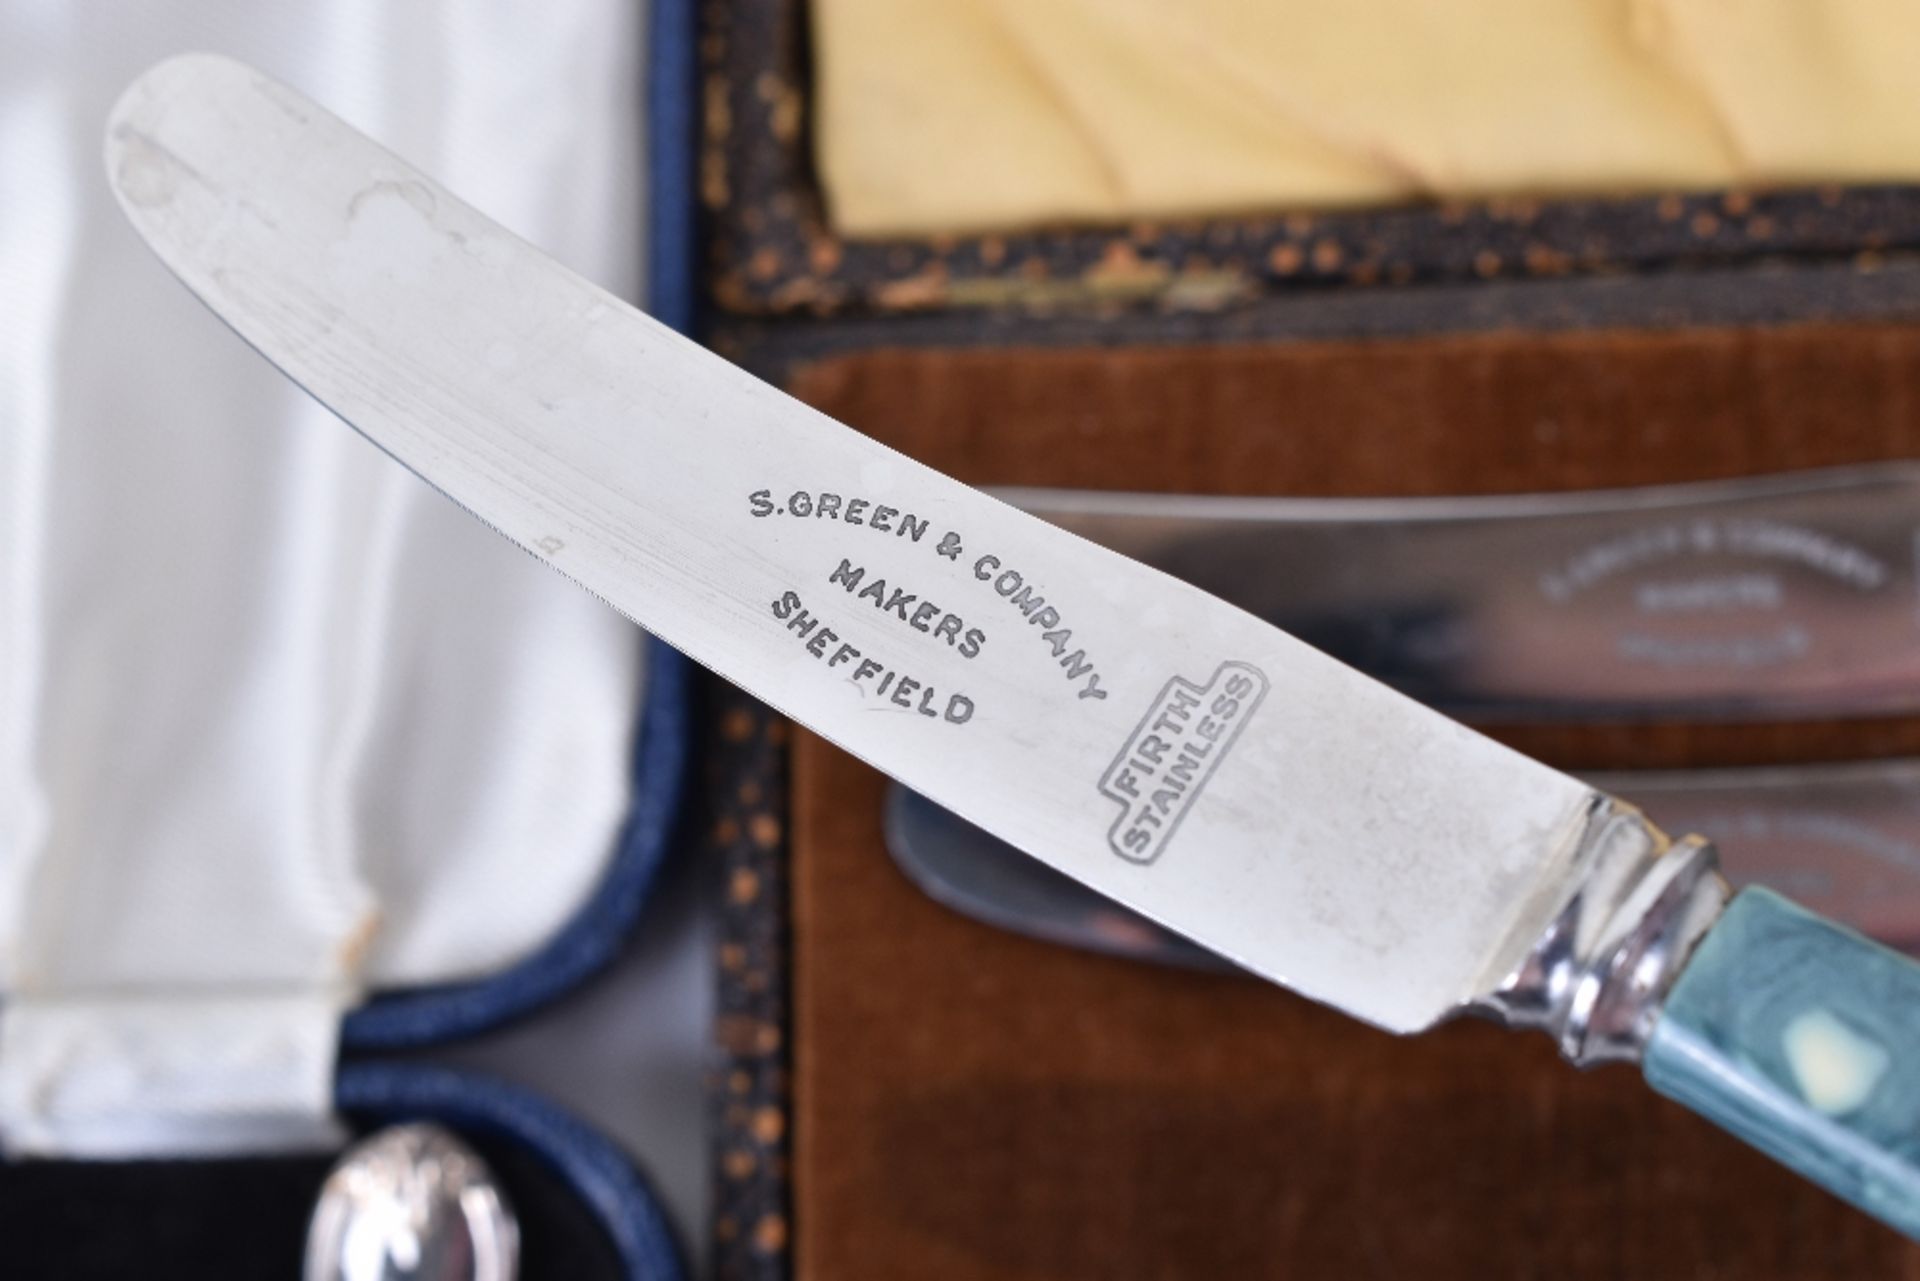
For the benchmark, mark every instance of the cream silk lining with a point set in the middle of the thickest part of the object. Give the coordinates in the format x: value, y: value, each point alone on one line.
x: 278, y: 725
x: 943, y: 115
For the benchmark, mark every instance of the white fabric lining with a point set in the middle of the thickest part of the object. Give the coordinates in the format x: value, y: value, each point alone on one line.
x: 277, y: 723
x: 108, y: 1077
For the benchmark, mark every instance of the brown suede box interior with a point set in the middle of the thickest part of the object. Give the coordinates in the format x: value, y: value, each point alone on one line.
x: 972, y: 1105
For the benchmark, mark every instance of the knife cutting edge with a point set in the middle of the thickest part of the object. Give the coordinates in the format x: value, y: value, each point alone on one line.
x: 1151, y: 741
x: 1841, y: 838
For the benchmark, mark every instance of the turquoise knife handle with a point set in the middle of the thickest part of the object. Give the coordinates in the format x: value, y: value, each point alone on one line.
x: 1802, y: 1038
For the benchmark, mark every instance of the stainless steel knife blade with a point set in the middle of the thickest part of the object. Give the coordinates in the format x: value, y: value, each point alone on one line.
x: 1793, y: 595
x: 1167, y: 749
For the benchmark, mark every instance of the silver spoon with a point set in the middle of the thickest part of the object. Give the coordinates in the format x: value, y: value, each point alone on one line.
x: 412, y: 1203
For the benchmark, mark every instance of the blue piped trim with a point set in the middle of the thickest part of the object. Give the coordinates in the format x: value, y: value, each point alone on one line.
x: 591, y: 939
x: 673, y: 101
x: 606, y: 1180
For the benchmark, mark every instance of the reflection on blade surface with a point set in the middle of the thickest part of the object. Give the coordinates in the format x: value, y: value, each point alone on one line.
x: 1776, y: 597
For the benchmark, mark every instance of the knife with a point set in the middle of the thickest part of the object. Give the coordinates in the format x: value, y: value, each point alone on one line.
x: 1843, y: 839
x: 1149, y: 740
x: 1771, y: 597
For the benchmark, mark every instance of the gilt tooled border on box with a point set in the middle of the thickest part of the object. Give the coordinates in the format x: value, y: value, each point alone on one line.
x: 742, y: 817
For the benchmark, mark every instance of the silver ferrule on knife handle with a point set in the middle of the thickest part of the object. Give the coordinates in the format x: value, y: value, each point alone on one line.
x: 1596, y: 979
